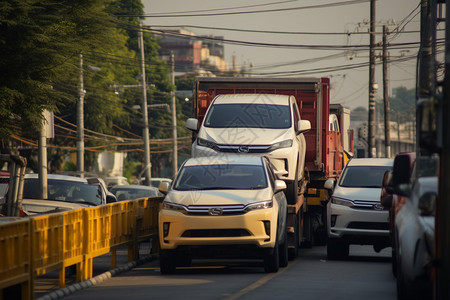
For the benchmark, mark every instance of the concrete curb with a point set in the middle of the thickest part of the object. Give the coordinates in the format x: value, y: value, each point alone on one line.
x: 58, y: 294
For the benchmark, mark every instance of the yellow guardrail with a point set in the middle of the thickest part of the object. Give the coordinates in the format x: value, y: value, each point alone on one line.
x: 37, y: 245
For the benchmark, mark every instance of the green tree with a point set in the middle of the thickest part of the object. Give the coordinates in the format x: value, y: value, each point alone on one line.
x: 41, y: 41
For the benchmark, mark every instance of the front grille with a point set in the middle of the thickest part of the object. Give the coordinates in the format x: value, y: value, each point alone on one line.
x: 370, y: 205
x: 211, y: 233
x: 239, y: 148
x: 226, y: 210
x: 369, y: 225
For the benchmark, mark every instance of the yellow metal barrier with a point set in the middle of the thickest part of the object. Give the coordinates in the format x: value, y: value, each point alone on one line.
x: 15, y: 258
x: 37, y: 245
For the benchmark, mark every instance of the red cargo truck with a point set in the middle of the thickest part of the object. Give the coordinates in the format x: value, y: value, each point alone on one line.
x: 327, y: 143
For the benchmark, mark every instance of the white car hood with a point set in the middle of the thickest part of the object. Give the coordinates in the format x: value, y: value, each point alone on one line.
x: 35, y: 206
x: 218, y: 197
x: 245, y: 136
x: 364, y: 194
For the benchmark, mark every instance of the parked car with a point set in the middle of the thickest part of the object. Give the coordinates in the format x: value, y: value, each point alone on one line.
x: 4, y: 181
x: 415, y: 228
x: 131, y: 192
x: 226, y: 206
x: 115, y: 180
x: 392, y: 201
x: 64, y: 193
x: 354, y: 213
x: 155, y: 181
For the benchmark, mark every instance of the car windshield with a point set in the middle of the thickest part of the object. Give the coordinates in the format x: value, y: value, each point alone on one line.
x: 64, y: 190
x: 363, y: 176
x: 131, y: 194
x: 207, y: 177
x: 249, y: 116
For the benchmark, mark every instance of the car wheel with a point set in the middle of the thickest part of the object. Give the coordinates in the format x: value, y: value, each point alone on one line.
x: 401, y: 293
x: 337, y: 249
x: 272, y: 259
x: 292, y: 190
x: 167, y: 262
x: 283, y: 252
x: 294, y: 238
x: 307, y: 231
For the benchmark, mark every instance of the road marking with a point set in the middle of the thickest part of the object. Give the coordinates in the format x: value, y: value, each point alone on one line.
x: 259, y: 282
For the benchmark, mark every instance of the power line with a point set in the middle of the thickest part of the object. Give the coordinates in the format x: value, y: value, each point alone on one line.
x: 327, y: 5
x: 227, y: 8
x: 276, y: 45
x: 270, y: 31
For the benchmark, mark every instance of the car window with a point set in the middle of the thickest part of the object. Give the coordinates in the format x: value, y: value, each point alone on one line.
x: 64, y: 190
x: 249, y: 115
x: 221, y: 177
x: 363, y: 176
x: 131, y: 194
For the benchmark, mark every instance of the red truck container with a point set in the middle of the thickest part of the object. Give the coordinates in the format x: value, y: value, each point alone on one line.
x: 326, y: 141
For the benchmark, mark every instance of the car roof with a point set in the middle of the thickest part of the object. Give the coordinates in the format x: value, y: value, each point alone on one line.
x: 224, y: 160
x: 133, y: 187
x: 253, y: 99
x: 370, y: 162
x: 57, y: 177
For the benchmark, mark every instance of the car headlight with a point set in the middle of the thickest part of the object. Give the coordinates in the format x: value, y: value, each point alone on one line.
x: 341, y: 201
x: 174, y: 206
x: 206, y: 143
x: 259, y: 205
x: 279, y: 145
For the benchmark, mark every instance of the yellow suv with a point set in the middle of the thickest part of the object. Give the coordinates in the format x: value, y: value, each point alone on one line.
x: 229, y: 206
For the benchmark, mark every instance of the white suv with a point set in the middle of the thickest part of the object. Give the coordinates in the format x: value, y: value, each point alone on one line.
x: 355, y: 215
x: 259, y: 124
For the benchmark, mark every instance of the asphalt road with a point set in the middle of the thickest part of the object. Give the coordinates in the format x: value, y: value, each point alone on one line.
x: 365, y: 275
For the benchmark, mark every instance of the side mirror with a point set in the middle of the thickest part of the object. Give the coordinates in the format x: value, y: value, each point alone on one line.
x: 192, y: 124
x: 427, y: 204
x: 110, y: 198
x: 303, y: 126
x: 329, y: 184
x: 401, y: 175
x: 164, y: 187
x: 280, y: 185
x: 387, y: 190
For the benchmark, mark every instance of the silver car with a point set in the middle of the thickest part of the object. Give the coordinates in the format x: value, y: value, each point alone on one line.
x: 414, y: 226
x: 354, y: 213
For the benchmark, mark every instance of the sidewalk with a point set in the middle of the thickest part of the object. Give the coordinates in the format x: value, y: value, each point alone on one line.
x: 46, y: 287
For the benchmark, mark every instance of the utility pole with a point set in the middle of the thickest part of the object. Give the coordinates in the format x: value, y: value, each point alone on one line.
x: 442, y: 225
x: 442, y: 289
x: 371, y: 133
x: 145, y: 130
x: 174, y: 116
x: 80, y: 123
x: 387, y: 113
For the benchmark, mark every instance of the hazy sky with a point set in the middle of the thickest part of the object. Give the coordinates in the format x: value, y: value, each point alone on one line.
x: 349, y: 86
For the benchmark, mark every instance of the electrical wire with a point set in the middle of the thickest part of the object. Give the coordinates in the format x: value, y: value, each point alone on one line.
x: 326, y: 5
x: 228, y: 8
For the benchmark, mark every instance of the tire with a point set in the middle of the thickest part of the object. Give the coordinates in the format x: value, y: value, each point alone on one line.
x: 401, y: 289
x: 167, y: 262
x: 272, y: 259
x: 283, y: 252
x: 337, y: 249
x: 308, y: 233
x: 292, y: 190
x: 294, y: 239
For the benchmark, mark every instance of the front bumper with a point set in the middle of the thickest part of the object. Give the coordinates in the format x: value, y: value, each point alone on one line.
x: 191, y: 230
x: 353, y: 222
